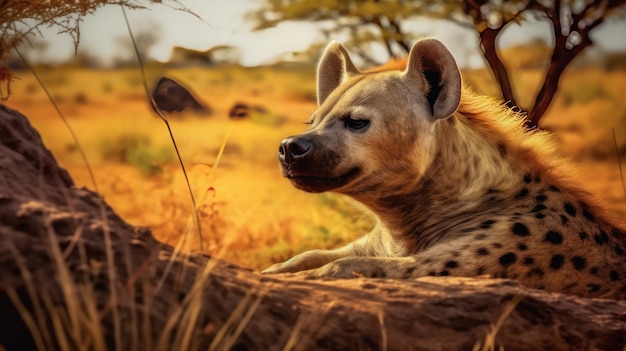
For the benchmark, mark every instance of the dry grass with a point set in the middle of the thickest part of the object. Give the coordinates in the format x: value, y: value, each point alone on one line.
x: 244, y: 202
x: 250, y: 215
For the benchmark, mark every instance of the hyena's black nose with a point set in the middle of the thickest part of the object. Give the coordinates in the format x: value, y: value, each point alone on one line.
x: 293, y: 148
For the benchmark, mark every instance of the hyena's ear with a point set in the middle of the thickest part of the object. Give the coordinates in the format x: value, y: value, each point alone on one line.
x: 335, y: 66
x: 431, y: 63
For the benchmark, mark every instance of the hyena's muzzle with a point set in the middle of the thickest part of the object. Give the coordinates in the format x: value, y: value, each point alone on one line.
x: 313, y: 163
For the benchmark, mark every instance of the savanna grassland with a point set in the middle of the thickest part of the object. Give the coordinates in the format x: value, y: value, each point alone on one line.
x: 250, y: 215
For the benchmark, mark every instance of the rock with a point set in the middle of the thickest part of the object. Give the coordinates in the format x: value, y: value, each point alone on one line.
x: 239, y: 110
x: 256, y: 113
x: 75, y: 276
x: 170, y: 96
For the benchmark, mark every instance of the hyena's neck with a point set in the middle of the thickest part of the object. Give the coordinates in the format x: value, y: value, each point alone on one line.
x: 461, y: 184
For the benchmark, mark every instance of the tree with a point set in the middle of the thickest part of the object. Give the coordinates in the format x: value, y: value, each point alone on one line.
x: 21, y: 19
x: 572, y: 21
x: 366, y: 21
x: 381, y: 21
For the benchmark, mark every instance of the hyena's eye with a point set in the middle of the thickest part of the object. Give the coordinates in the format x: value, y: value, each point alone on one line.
x: 352, y: 123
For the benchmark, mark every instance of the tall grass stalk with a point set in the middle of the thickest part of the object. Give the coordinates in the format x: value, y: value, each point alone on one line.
x: 62, y: 116
x: 383, y: 330
x: 167, y: 125
x: 619, y: 161
x: 238, y: 319
x: 490, y: 339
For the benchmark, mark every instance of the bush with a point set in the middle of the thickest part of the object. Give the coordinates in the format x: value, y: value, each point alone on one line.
x: 137, y: 150
x: 107, y: 87
x: 584, y: 93
x: 80, y: 98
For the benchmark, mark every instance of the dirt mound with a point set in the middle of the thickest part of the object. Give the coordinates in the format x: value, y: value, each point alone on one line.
x: 170, y: 97
x: 73, y: 275
x: 242, y: 110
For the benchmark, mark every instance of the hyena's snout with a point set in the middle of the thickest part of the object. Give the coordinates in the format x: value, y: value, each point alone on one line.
x: 294, y: 149
x: 312, y: 164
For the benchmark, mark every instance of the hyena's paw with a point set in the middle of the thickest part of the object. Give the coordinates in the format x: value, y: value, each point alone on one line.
x: 354, y: 267
x: 302, y: 262
x: 281, y: 267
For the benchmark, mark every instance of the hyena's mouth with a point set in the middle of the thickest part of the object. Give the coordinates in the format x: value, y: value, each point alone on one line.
x: 318, y: 184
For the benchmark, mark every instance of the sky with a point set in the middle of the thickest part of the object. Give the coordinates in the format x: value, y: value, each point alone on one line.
x: 223, y: 23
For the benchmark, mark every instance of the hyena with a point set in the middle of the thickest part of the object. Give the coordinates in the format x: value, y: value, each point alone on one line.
x: 460, y: 186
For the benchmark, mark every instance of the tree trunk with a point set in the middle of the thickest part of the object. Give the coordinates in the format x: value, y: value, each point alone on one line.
x: 75, y: 276
x: 561, y: 58
x: 488, y: 43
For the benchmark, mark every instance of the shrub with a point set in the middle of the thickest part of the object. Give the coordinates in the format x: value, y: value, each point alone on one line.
x: 80, y: 98
x: 584, y: 93
x: 137, y: 150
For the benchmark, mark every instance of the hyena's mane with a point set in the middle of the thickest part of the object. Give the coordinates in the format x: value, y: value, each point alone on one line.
x: 505, y: 128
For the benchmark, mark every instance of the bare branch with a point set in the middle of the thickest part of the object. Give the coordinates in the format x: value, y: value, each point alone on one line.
x: 400, y: 37
x: 565, y: 50
x: 488, y: 37
x: 488, y: 45
x: 376, y: 20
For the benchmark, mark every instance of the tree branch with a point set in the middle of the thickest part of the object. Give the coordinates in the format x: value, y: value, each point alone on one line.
x: 400, y: 37
x: 488, y: 45
x: 383, y: 32
x: 488, y: 37
x: 561, y: 57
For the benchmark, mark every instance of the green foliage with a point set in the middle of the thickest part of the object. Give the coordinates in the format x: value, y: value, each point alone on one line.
x: 365, y: 21
x: 267, y: 118
x: 81, y: 98
x: 136, y: 150
x: 279, y: 251
x: 272, y: 12
x: 347, y: 211
x: 107, y: 87
x: 583, y: 93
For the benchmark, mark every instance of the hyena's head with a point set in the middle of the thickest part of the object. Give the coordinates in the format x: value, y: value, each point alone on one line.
x: 373, y: 131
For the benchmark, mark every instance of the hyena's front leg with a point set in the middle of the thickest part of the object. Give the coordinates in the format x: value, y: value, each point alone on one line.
x: 378, y: 242
x: 439, y: 260
x: 371, y: 267
x: 414, y: 266
x: 305, y: 261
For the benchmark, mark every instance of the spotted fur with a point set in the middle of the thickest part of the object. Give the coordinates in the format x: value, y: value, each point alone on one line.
x: 460, y: 186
